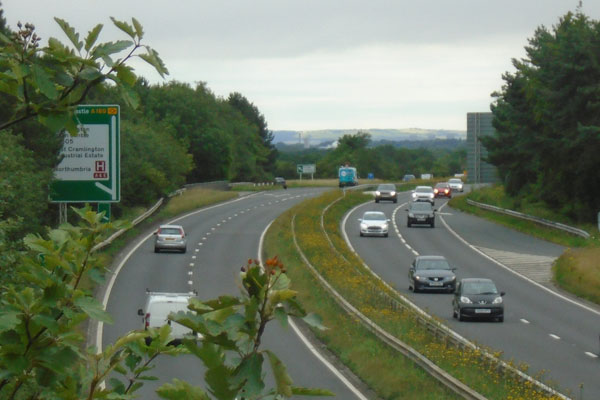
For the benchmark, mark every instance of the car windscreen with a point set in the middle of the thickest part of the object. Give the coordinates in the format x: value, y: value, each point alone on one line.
x: 454, y: 181
x: 374, y: 217
x: 479, y: 288
x: 386, y: 187
x: 423, y: 190
x: 420, y: 206
x: 433, y: 264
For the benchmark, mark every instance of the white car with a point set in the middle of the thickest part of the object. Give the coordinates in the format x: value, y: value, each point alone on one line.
x: 456, y: 184
x: 374, y: 223
x: 157, y: 309
x: 423, y: 193
x: 170, y: 237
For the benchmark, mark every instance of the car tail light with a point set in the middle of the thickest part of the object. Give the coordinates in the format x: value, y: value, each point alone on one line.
x: 147, y: 321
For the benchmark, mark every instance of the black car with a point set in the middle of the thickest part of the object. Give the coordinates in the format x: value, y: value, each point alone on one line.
x: 431, y: 273
x: 420, y: 212
x: 386, y: 191
x: 477, y: 298
x: 408, y: 177
x: 280, y: 181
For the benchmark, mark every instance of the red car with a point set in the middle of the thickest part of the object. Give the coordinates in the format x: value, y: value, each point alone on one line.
x: 442, y: 189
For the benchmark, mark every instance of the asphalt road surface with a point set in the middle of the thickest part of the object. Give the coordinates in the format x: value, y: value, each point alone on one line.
x: 555, y: 334
x: 220, y: 241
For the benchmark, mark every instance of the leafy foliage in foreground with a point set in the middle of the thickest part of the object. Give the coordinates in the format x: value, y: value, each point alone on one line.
x: 41, y: 344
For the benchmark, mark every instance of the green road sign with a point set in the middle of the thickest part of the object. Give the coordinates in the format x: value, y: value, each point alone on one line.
x: 299, y: 168
x: 90, y: 170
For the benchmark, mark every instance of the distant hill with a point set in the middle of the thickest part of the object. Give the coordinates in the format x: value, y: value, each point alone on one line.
x: 435, y: 144
x: 319, y: 137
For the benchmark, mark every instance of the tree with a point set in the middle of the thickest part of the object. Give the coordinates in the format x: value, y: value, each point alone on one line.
x: 547, y: 119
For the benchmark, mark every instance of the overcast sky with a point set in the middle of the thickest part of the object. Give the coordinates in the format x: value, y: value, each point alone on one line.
x: 320, y: 64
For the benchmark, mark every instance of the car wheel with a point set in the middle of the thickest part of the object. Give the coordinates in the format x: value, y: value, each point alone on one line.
x: 386, y: 235
x: 184, y: 250
x: 156, y: 250
x: 415, y: 288
x: 501, y: 319
x: 433, y: 224
x: 408, y: 224
x: 361, y: 234
x: 376, y: 201
x: 460, y: 316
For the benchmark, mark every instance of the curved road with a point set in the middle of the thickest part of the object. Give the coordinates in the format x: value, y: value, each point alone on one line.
x: 546, y: 330
x: 221, y: 239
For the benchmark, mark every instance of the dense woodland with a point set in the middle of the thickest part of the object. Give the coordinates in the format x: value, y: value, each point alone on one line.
x: 547, y: 120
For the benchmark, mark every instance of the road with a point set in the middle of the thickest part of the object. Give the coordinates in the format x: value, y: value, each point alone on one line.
x: 220, y: 241
x: 554, y: 335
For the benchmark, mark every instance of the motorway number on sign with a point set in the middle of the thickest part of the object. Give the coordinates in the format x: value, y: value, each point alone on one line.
x: 482, y: 311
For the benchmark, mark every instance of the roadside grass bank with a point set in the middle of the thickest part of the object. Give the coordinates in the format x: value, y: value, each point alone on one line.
x: 577, y: 270
x: 357, y: 347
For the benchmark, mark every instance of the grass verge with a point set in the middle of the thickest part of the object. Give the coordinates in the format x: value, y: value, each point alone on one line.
x: 577, y: 270
x: 388, y: 373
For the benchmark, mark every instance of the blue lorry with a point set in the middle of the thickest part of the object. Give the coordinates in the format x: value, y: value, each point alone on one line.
x: 348, y: 176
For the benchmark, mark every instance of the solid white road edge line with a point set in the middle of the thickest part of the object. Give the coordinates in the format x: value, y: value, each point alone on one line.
x: 475, y: 249
x: 303, y: 338
x: 114, y: 275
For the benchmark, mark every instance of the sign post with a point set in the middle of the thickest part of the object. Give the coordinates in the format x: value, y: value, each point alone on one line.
x: 306, y: 169
x: 90, y: 168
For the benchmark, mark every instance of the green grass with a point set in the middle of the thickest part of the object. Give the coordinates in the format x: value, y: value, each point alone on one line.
x: 386, y: 372
x: 577, y: 270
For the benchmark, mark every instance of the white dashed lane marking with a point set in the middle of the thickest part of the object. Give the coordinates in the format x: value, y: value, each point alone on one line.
x: 553, y: 336
x: 592, y: 355
x: 524, y: 321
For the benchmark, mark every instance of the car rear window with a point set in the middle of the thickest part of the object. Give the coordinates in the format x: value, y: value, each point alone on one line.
x: 170, y: 231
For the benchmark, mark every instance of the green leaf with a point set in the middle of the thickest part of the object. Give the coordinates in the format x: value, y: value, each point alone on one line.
x: 43, y: 83
x: 181, y: 390
x: 92, y: 36
x: 124, y: 26
x: 315, y: 321
x: 139, y: 30
x: 282, y: 379
x: 281, y: 316
x: 109, y: 48
x: 9, y: 319
x: 153, y: 59
x: 130, y: 96
x: 249, y: 374
x: 126, y: 75
x: 93, y: 309
x: 70, y: 32
x: 56, y: 121
x: 89, y: 74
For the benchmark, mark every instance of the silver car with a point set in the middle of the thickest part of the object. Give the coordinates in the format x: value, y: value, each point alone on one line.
x: 170, y: 237
x: 423, y: 193
x: 374, y: 223
x: 456, y: 184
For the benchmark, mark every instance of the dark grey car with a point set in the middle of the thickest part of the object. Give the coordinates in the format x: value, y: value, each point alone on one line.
x: 477, y: 298
x: 420, y: 213
x: 386, y: 191
x: 431, y: 273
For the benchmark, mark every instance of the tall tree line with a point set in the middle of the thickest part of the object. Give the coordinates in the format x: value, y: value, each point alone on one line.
x: 547, y: 119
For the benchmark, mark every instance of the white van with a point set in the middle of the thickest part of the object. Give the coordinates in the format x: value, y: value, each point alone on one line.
x: 157, y: 309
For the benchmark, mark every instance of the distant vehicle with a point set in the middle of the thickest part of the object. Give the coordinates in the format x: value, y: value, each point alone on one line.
x: 442, y: 189
x: 347, y: 176
x: 386, y: 191
x: 477, y: 298
x: 157, y: 309
x: 374, y: 223
x: 280, y: 181
x: 456, y: 184
x: 426, y: 176
x: 170, y: 237
x: 431, y: 273
x: 408, y: 177
x: 420, y: 212
x: 423, y: 193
